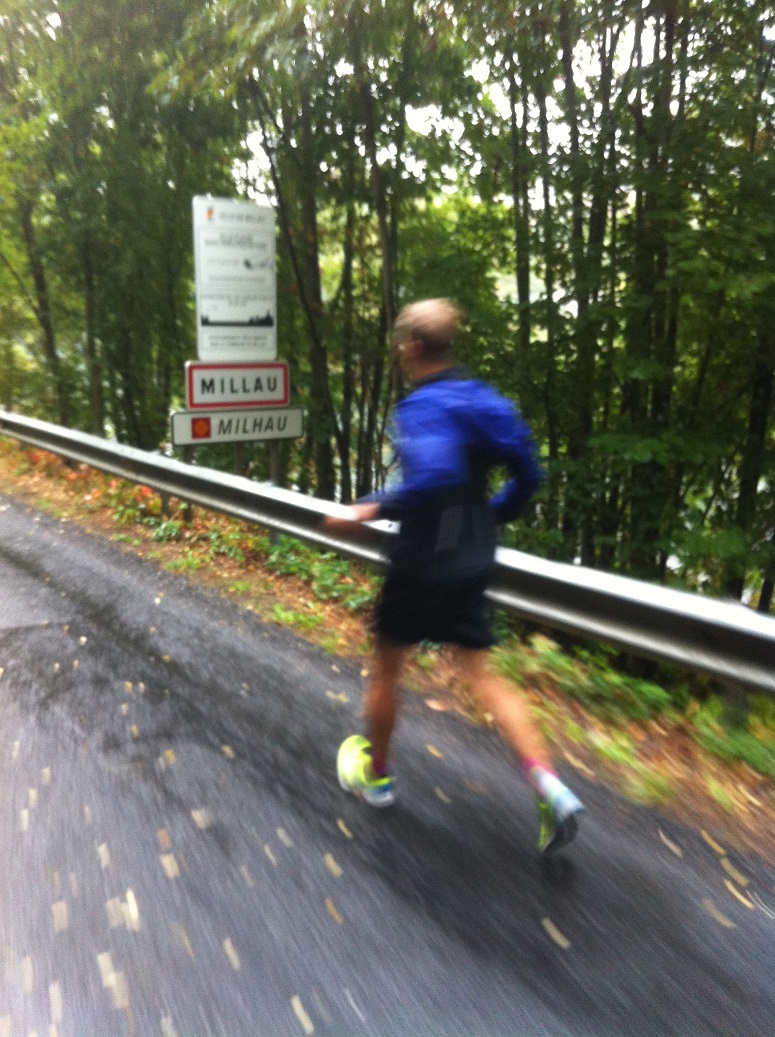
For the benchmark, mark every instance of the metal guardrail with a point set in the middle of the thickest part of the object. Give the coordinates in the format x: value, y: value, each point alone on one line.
x: 724, y: 639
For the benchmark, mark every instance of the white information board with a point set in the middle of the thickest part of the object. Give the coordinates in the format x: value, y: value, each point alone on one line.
x: 236, y: 286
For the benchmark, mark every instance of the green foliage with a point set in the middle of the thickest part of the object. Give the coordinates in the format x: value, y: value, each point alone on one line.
x: 328, y: 575
x: 296, y: 619
x: 609, y: 694
x: 605, y: 692
x: 618, y: 748
x: 735, y: 737
x: 134, y: 504
x: 188, y: 562
x: 720, y: 794
x: 167, y: 529
x: 647, y: 786
x: 124, y: 538
x: 425, y: 661
x: 747, y: 736
x: 228, y: 544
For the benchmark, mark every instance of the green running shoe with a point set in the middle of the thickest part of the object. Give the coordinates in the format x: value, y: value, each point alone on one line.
x: 558, y: 820
x: 355, y: 771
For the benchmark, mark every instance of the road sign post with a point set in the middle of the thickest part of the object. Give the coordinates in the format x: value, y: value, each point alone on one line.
x: 237, y: 392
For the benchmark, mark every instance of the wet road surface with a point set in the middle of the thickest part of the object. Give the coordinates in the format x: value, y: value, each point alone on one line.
x: 178, y: 859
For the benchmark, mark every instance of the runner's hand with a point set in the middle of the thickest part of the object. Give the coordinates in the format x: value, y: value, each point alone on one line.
x: 351, y: 521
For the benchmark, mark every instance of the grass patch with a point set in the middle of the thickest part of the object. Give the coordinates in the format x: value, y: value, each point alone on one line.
x: 612, y: 696
x: 296, y: 619
x: 329, y: 577
x: 733, y: 735
x: 240, y: 587
x: 333, y: 644
x: 645, y: 785
x: 189, y: 562
x: 720, y: 795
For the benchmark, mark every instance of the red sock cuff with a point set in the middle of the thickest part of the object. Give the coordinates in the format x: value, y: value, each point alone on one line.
x: 380, y: 766
x: 529, y: 764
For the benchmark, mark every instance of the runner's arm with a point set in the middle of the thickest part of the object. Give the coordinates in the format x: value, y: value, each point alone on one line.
x: 508, y: 440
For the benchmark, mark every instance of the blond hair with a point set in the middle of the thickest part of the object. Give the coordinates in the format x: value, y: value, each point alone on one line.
x: 434, y: 322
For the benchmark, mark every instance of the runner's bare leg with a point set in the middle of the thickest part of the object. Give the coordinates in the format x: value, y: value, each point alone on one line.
x: 380, y: 700
x: 509, y: 709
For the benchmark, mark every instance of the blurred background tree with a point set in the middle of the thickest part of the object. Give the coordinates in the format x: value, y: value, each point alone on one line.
x: 592, y: 181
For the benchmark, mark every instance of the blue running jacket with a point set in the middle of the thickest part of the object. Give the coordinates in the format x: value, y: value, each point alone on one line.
x: 450, y: 431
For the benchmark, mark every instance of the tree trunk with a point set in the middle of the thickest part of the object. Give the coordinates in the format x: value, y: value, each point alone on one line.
x: 43, y: 313
x: 303, y: 249
x: 549, y: 258
x: 752, y: 460
x: 768, y: 583
x: 93, y: 359
x: 348, y: 374
x: 520, y: 158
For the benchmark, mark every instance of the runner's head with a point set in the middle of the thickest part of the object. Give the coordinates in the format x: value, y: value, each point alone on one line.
x: 427, y: 330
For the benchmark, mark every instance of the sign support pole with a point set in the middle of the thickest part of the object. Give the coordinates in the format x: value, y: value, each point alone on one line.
x: 187, y: 511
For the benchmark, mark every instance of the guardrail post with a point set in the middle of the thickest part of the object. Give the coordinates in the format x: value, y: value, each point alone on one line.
x: 239, y: 459
x: 274, y: 468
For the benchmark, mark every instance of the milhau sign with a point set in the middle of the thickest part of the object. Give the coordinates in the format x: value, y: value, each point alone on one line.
x: 239, y: 426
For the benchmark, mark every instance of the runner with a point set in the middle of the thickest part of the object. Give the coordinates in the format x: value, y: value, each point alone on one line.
x: 451, y: 430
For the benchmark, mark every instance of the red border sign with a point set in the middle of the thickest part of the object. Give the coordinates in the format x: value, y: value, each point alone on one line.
x: 215, y: 386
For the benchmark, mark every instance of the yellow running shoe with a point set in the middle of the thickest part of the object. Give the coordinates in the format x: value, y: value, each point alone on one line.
x: 558, y: 820
x: 355, y: 771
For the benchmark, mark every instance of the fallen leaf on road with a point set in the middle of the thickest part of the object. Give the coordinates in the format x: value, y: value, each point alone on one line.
x: 202, y: 818
x: 301, y: 1015
x: 712, y: 843
x: 736, y: 893
x: 231, y: 954
x: 556, y: 935
x: 27, y: 974
x: 670, y: 844
x: 733, y: 873
x: 170, y: 865
x: 59, y: 911
x: 714, y: 912
x: 332, y: 866
x: 333, y: 912
x: 55, y: 1002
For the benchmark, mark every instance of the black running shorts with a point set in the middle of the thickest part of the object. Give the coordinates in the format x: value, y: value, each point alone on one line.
x: 410, y: 610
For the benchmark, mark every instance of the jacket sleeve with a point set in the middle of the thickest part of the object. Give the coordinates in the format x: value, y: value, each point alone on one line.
x: 508, y: 440
x: 432, y: 456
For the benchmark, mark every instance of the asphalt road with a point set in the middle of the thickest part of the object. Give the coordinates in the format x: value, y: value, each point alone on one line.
x: 178, y: 859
